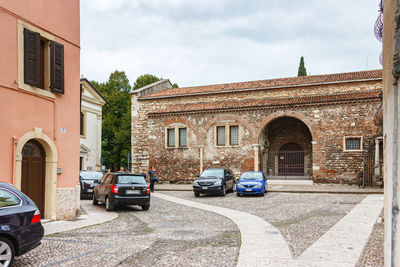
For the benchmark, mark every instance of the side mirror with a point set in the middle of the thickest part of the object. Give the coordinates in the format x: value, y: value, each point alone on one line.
x: 198, y: 175
x: 96, y: 181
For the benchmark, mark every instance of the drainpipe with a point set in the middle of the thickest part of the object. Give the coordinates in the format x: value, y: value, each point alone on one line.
x: 14, y: 144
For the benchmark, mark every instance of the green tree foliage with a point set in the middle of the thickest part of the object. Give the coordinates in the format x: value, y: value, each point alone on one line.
x: 302, y: 69
x: 144, y: 80
x: 147, y: 79
x: 116, y: 128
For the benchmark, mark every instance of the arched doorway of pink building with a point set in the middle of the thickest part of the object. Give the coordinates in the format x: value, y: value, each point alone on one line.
x: 36, y: 152
x: 33, y: 173
x: 286, y: 149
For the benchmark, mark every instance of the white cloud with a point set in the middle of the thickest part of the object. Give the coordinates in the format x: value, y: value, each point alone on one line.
x: 214, y: 41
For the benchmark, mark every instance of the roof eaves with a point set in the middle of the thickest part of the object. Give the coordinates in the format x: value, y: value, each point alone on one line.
x: 97, y: 91
x: 257, y: 89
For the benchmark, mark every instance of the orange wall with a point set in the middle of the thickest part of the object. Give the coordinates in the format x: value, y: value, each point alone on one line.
x: 21, y: 111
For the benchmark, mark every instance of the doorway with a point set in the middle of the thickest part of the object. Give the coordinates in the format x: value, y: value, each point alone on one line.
x: 33, y: 173
x: 291, y: 160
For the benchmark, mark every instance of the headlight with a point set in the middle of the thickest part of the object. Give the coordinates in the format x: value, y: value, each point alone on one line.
x: 258, y: 186
x: 195, y: 183
x: 240, y: 186
x: 218, y: 182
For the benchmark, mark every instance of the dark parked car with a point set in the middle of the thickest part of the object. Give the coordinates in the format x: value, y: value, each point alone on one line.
x: 86, y: 179
x: 20, y: 227
x: 214, y: 180
x: 119, y: 189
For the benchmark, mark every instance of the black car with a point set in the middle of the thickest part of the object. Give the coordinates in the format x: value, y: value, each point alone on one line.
x: 119, y: 189
x: 214, y: 181
x: 86, y: 180
x: 20, y: 227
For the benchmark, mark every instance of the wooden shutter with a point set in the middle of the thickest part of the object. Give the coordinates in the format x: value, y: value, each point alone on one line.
x: 56, y: 67
x: 32, y: 58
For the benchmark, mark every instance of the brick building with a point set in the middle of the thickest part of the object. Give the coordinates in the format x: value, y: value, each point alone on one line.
x: 318, y: 127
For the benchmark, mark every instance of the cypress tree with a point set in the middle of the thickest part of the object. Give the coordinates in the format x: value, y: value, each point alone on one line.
x: 302, y: 70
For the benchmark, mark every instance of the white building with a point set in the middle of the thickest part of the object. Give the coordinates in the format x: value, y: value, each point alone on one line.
x: 91, y: 113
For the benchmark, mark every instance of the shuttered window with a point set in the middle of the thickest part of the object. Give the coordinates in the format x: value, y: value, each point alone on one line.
x: 57, y: 67
x: 182, y: 137
x: 220, y: 135
x: 36, y: 69
x: 82, y: 128
x: 32, y: 58
x: 171, y: 137
x: 234, y: 135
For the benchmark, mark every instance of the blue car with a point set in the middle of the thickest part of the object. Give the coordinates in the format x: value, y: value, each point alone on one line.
x: 251, y: 183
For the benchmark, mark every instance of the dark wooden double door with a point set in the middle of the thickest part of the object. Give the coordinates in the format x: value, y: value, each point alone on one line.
x: 33, y: 173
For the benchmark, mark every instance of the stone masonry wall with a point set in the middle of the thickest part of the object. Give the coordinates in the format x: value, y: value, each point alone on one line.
x: 328, y: 124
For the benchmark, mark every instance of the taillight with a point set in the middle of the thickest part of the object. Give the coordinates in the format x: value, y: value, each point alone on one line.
x: 148, y: 190
x: 36, y: 217
x: 114, y: 189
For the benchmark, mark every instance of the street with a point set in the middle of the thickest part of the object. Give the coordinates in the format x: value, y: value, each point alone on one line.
x: 171, y: 234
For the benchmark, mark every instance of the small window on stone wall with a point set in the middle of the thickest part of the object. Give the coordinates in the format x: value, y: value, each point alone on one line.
x: 234, y: 135
x: 353, y: 143
x: 220, y: 135
x: 182, y: 137
x: 171, y: 137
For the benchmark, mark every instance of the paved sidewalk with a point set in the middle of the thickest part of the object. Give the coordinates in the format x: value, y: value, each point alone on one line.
x: 95, y: 215
x: 293, y: 186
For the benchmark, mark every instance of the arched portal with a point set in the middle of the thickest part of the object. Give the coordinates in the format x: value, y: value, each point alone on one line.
x: 33, y: 173
x: 286, y: 149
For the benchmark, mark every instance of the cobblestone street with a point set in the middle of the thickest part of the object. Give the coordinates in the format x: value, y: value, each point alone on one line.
x: 171, y: 234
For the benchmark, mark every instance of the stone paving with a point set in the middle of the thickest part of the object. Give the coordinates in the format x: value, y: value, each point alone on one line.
x: 302, y: 218
x: 167, y: 235
x: 170, y: 234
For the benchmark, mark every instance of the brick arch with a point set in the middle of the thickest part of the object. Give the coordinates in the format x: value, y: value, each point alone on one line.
x: 213, y: 121
x: 301, y: 117
x: 186, y: 122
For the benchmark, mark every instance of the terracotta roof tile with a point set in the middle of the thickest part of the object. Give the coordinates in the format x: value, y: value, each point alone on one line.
x: 270, y: 102
x: 273, y: 83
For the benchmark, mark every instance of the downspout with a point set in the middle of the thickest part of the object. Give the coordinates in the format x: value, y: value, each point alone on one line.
x: 13, y: 159
x: 395, y: 148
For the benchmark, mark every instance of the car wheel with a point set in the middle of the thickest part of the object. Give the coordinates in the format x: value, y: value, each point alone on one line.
x: 109, y: 204
x: 237, y: 194
x: 95, y: 202
x: 7, y: 252
x: 223, y: 191
x: 196, y: 194
x: 146, y: 207
x: 262, y: 194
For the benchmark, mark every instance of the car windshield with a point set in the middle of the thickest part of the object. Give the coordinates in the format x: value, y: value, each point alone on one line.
x: 212, y: 173
x: 252, y: 176
x: 131, y: 179
x: 91, y: 175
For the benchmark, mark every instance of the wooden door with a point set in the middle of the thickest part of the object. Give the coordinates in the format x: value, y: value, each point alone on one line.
x: 33, y: 170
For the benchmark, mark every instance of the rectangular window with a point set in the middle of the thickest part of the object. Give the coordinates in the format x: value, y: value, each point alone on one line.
x: 82, y: 121
x: 171, y: 137
x: 353, y: 143
x: 220, y: 135
x: 182, y: 137
x: 42, y: 60
x: 234, y: 135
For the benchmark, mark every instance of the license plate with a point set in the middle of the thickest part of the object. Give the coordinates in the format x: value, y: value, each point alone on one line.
x: 204, y: 187
x: 90, y: 190
x: 248, y: 189
x: 132, y: 192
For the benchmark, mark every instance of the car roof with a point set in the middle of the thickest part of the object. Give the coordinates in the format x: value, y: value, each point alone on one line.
x: 124, y: 173
x: 253, y: 172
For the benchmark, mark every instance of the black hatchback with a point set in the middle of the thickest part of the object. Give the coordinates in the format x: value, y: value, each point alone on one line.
x: 214, y: 180
x: 120, y: 189
x: 20, y: 227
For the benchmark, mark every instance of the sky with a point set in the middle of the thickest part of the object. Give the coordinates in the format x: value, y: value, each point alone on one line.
x: 200, y: 42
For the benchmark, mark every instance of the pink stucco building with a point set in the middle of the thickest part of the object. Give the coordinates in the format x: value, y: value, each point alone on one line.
x: 40, y: 93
